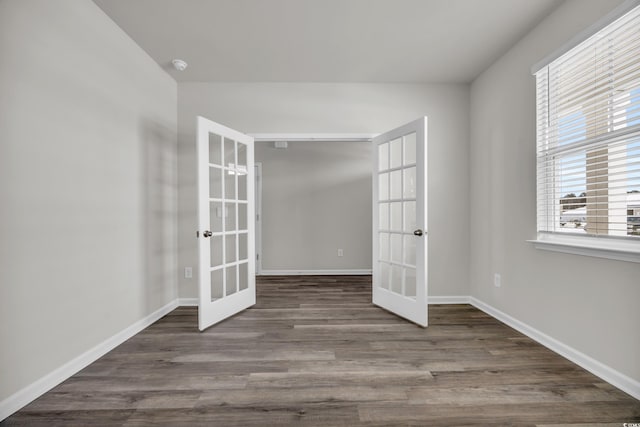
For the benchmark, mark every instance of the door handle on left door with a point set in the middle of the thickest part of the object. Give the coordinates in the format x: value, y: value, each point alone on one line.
x: 206, y: 233
x: 418, y: 232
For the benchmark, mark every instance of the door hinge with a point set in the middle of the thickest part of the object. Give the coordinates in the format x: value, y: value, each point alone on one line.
x: 257, y: 217
x: 257, y: 257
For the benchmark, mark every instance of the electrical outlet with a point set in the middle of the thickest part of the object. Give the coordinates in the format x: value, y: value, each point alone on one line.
x: 188, y: 272
x: 497, y: 280
x: 340, y: 252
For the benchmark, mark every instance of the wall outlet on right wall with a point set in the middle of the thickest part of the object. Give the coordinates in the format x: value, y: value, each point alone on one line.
x: 497, y: 280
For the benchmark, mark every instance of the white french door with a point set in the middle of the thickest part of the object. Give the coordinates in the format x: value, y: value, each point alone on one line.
x: 226, y: 242
x: 400, y: 221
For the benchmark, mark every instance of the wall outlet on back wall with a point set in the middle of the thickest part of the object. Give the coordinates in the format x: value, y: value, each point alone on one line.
x: 188, y: 272
x: 497, y: 280
x: 340, y: 252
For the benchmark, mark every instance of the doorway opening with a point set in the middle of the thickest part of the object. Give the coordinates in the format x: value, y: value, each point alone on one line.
x: 395, y: 168
x: 313, y: 204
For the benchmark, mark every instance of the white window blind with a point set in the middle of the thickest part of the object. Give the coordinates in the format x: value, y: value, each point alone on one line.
x: 588, y: 135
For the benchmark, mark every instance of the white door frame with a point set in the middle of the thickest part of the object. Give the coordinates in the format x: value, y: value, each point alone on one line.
x: 312, y: 137
x: 292, y: 137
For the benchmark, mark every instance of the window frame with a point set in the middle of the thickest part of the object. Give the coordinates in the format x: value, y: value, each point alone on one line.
x: 601, y: 246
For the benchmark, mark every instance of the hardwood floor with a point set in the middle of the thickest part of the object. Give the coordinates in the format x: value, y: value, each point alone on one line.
x: 314, y: 351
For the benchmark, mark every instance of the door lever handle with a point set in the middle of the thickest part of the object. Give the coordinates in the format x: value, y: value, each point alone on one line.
x: 418, y: 232
x: 206, y: 233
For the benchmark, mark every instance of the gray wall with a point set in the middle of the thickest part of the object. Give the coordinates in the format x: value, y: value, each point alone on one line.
x: 87, y: 182
x: 316, y: 199
x: 590, y: 304
x: 343, y: 108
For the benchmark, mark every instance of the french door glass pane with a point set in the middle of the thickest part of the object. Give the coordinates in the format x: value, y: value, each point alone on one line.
x: 383, y: 217
x: 216, y: 214
x: 396, y: 279
x: 384, y: 246
x: 217, y: 290
x: 229, y: 152
x: 215, y: 183
x: 409, y: 183
x: 230, y: 248
x: 383, y: 156
x: 410, y: 282
x: 384, y: 275
x: 396, y: 248
x: 229, y: 184
x: 242, y: 216
x: 230, y: 217
x: 242, y: 247
x: 395, y: 186
x: 242, y: 157
x: 410, y: 249
x: 231, y: 280
x: 396, y: 153
x: 216, y: 250
x: 243, y: 277
x: 242, y: 185
x: 396, y: 216
x: 410, y: 149
x: 410, y: 216
x: 383, y: 186
x: 215, y: 149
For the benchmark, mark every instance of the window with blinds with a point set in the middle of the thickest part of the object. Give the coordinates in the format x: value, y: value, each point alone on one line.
x: 588, y: 135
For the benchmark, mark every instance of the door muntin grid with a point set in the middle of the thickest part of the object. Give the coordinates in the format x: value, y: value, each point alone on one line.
x: 397, y: 245
x: 228, y: 216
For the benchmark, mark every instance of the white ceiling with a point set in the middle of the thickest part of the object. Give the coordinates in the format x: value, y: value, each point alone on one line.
x: 327, y: 40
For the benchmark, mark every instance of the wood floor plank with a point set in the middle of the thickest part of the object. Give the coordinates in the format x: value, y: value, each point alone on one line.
x: 301, y: 395
x: 163, y: 381
x: 328, y: 414
x: 102, y: 400
x: 502, y: 376
x: 251, y: 355
x: 294, y: 380
x: 508, y: 394
x: 507, y: 414
x: 134, y: 369
x: 314, y: 351
x: 70, y: 418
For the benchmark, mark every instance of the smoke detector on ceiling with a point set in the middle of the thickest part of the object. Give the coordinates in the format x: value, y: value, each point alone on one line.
x: 179, y: 64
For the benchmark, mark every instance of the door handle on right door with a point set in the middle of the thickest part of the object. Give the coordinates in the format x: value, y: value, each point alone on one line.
x: 418, y: 232
x: 206, y: 233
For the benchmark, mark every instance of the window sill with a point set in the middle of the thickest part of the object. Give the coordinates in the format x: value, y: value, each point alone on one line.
x: 599, y: 247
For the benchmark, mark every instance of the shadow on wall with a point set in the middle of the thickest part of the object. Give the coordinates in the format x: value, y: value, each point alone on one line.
x: 158, y: 213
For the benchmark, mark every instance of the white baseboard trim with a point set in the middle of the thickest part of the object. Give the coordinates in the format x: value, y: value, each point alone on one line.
x: 314, y: 272
x: 31, y: 392
x: 455, y: 299
x: 599, y: 369
x: 193, y: 302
